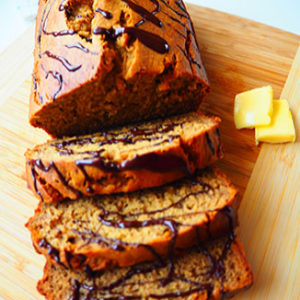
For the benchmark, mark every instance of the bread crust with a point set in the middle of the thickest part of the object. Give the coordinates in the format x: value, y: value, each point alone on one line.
x: 84, y: 81
x: 97, y: 256
x: 196, y: 152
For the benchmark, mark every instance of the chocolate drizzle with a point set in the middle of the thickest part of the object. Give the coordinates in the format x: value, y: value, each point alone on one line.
x: 113, y: 218
x: 104, y: 13
x: 216, y: 270
x: 152, y: 162
x: 154, y: 12
x: 147, y: 38
x: 189, y: 33
x: 52, y: 252
x: 150, y: 40
x: 63, y: 61
x: 75, y: 291
x: 44, y: 22
x: 130, y: 136
x: 149, y: 16
x: 56, y: 75
x: 155, y: 162
x: 182, y: 15
x: 81, y: 47
x: 40, y: 165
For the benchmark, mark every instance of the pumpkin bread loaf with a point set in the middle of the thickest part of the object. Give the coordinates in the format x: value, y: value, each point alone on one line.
x: 123, y: 160
x: 101, y: 63
x: 213, y: 271
x: 122, y: 230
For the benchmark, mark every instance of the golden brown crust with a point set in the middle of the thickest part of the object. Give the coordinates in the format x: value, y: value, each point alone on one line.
x: 196, y: 151
x: 215, y: 224
x: 99, y: 80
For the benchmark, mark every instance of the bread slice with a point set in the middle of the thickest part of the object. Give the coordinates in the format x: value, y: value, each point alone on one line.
x: 122, y: 230
x: 100, y: 64
x: 215, y: 270
x: 125, y: 159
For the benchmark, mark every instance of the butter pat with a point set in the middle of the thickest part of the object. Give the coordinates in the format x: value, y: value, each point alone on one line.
x: 253, y: 108
x: 281, y: 129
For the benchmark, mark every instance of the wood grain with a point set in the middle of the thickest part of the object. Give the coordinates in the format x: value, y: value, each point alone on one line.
x: 270, y: 212
x: 239, y: 54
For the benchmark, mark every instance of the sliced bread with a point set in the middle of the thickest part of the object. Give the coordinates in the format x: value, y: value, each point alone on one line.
x: 125, y: 159
x: 215, y: 270
x: 125, y: 229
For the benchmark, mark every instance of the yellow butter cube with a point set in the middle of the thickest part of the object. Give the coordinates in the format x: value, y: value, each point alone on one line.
x: 253, y: 108
x: 281, y: 128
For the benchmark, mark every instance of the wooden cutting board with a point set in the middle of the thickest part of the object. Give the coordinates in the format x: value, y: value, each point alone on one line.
x: 239, y: 54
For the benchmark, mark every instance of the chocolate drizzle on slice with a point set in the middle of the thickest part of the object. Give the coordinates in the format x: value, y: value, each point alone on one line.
x: 52, y: 251
x: 81, y: 47
x: 150, y: 40
x: 131, y: 136
x: 115, y: 289
x: 40, y: 165
x: 104, y: 13
x: 34, y: 180
x: 152, y: 162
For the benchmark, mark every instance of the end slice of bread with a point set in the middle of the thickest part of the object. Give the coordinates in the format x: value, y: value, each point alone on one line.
x: 214, y: 270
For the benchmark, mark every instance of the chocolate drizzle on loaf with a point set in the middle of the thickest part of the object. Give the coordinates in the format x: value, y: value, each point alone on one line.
x: 154, y: 12
x: 104, y: 13
x: 147, y: 38
x: 59, y: 33
x: 149, y: 16
x: 81, y: 47
x: 150, y: 40
x: 52, y: 252
x: 62, y: 60
x: 43, y: 30
x: 56, y: 75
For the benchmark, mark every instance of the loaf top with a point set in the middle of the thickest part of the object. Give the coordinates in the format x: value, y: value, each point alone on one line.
x: 101, y: 64
x: 212, y: 271
x: 75, y: 38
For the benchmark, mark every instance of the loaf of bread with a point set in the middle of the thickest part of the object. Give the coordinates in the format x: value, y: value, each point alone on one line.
x: 216, y: 270
x: 123, y: 160
x: 125, y: 229
x: 101, y: 63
